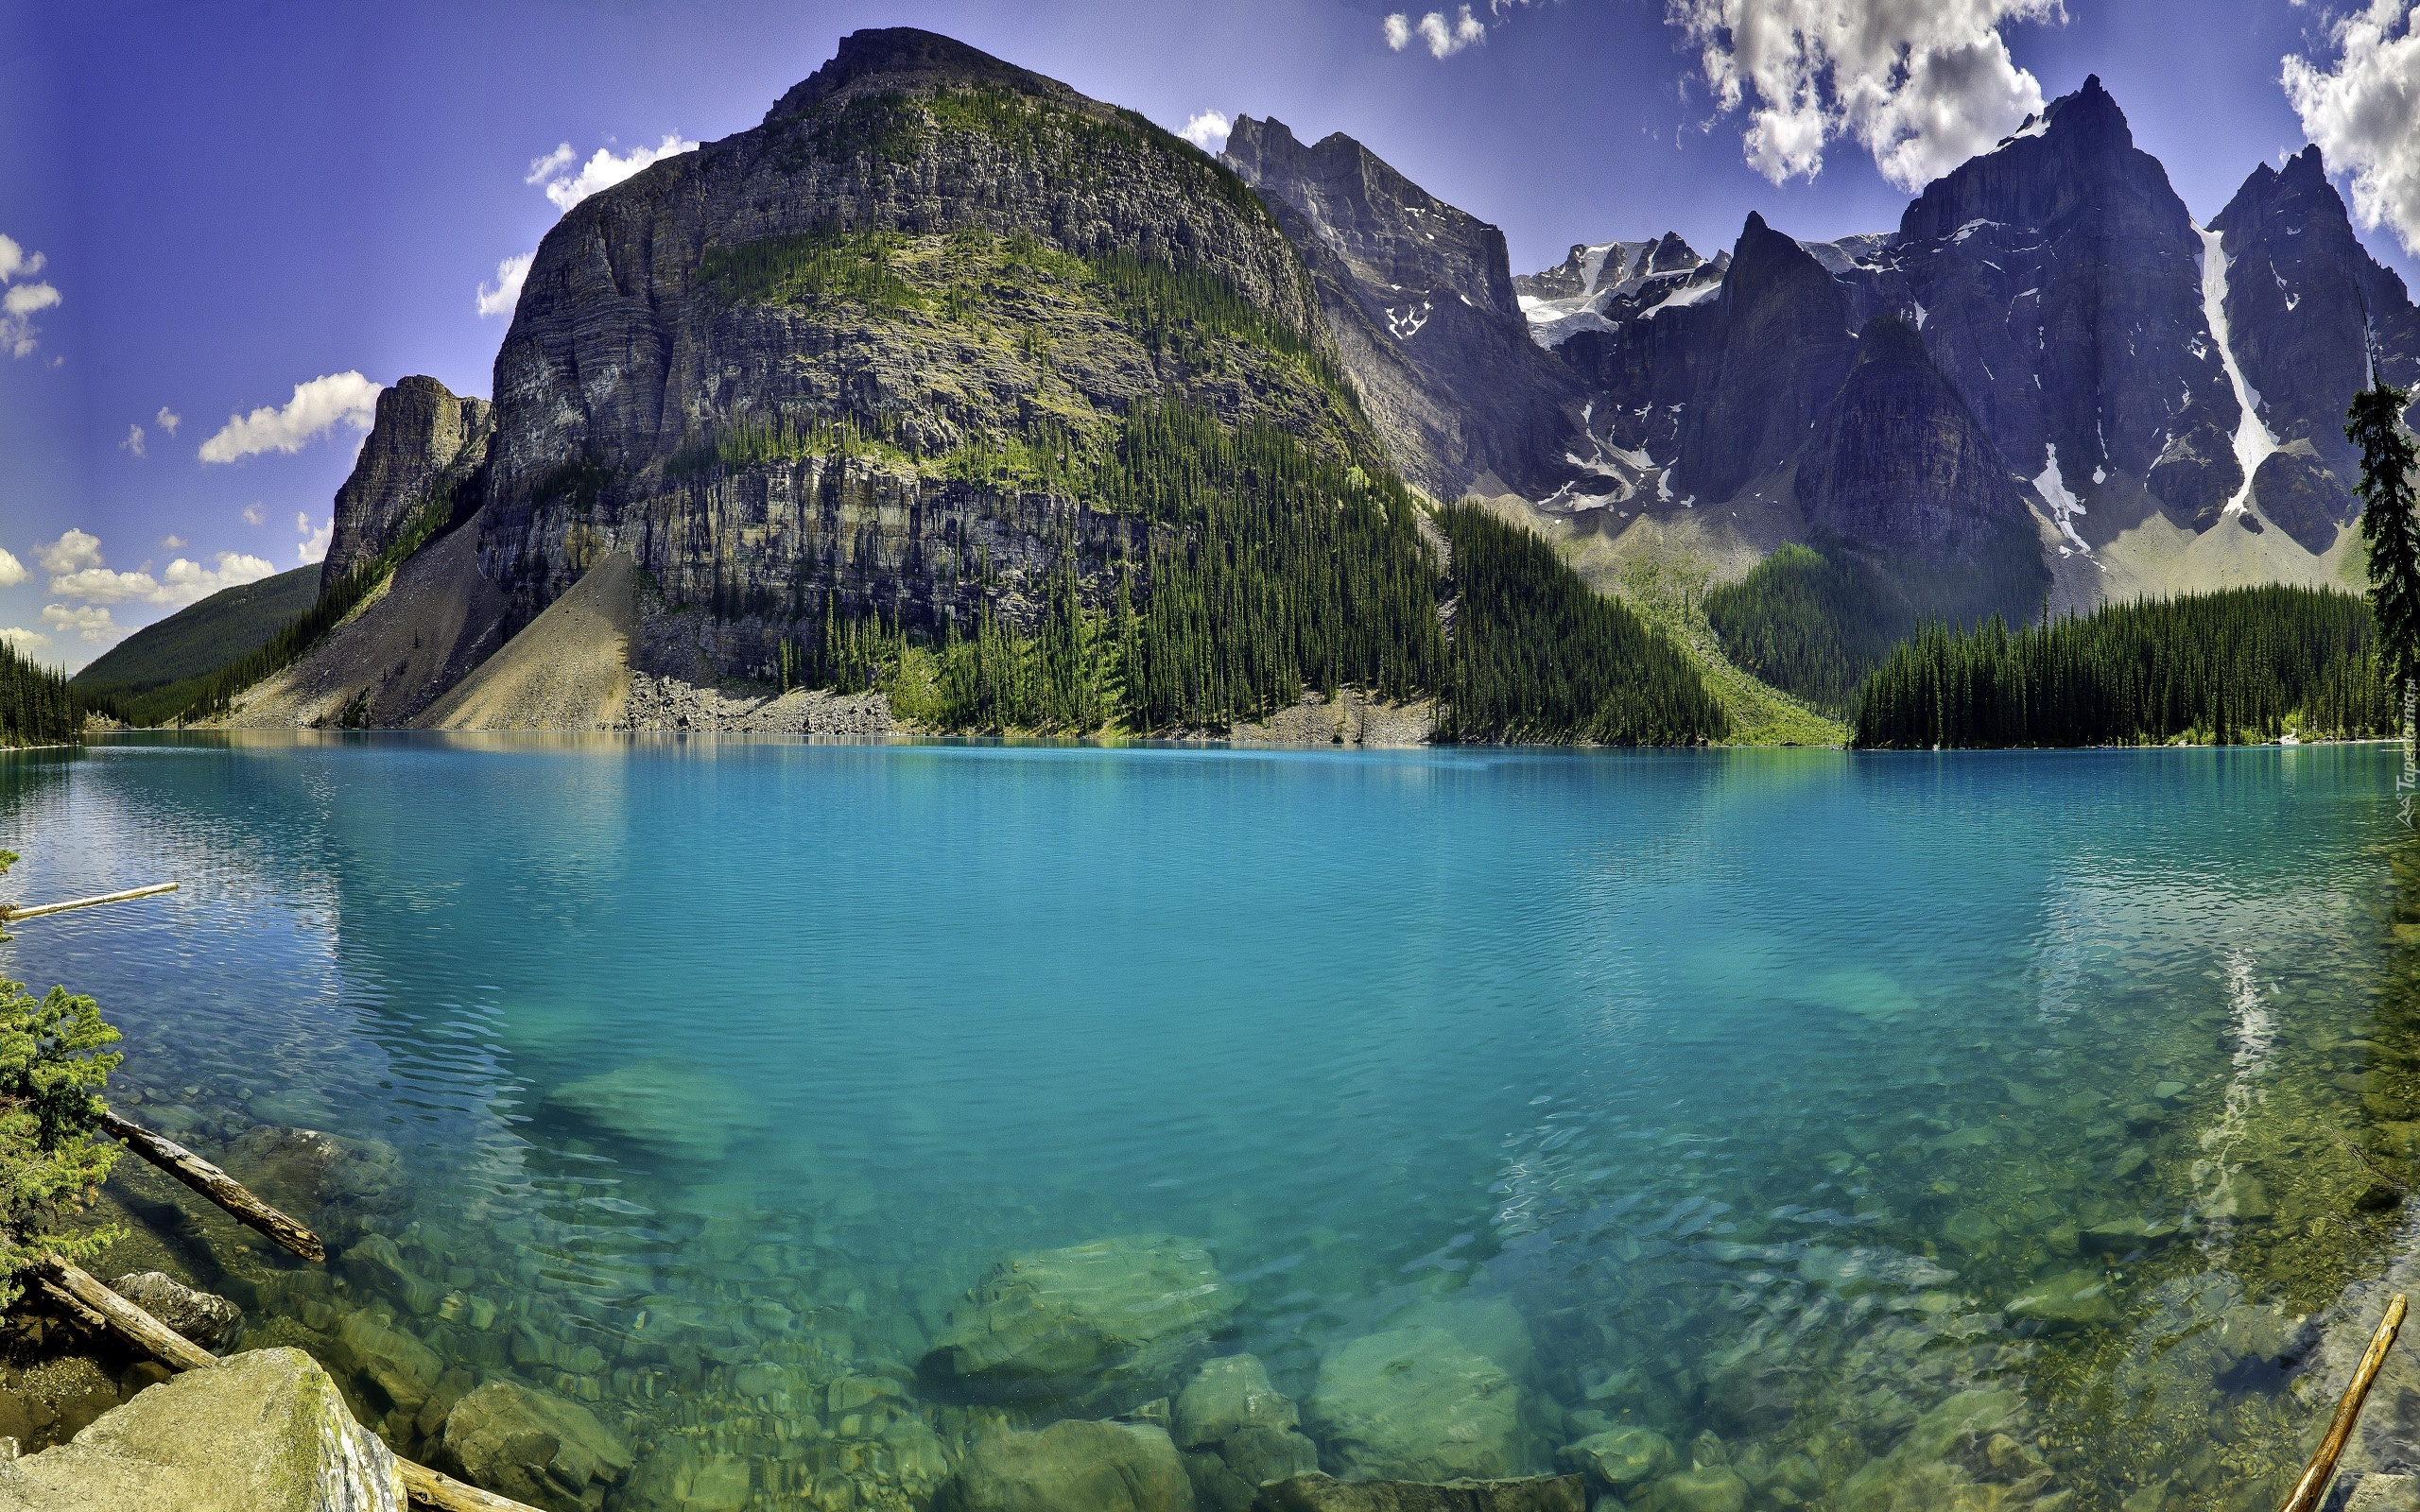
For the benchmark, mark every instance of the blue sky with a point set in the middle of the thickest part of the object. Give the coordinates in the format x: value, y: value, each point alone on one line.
x: 233, y: 199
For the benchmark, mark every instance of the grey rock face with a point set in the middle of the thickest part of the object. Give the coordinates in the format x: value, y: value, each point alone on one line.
x: 420, y: 431
x: 204, y: 1318
x: 263, y: 1432
x: 1421, y: 298
x: 622, y: 359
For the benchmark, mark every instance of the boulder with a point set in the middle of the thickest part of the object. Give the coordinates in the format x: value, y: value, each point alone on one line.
x: 1238, y: 1432
x: 1415, y: 1404
x: 402, y: 1368
x: 1700, y: 1489
x: 1488, y: 1326
x: 681, y: 1477
x: 2076, y: 1298
x: 1321, y: 1493
x: 341, y: 1187
x: 667, y: 1107
x: 1106, y: 1324
x: 534, y: 1447
x: 1621, y: 1457
x: 263, y: 1432
x: 199, y: 1316
x: 1071, y: 1467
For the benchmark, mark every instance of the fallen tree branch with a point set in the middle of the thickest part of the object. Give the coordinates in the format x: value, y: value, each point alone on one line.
x: 2322, y: 1464
x: 217, y: 1185
x: 427, y: 1488
x: 123, y: 1318
x: 9, y: 915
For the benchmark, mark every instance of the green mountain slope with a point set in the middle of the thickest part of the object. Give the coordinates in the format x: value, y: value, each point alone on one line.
x: 204, y: 637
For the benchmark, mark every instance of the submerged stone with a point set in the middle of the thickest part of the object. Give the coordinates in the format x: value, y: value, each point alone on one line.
x: 1071, y: 1467
x: 1230, y: 1394
x: 1112, y: 1323
x: 1621, y: 1456
x: 402, y: 1368
x: 1415, y: 1404
x: 263, y: 1432
x: 1704, y: 1489
x: 2076, y: 1298
x: 532, y: 1446
x: 204, y: 1318
x: 665, y: 1106
x: 1321, y: 1493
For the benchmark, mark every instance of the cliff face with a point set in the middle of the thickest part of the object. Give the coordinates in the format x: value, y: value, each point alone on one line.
x: 1421, y: 299
x: 846, y: 353
x: 420, y: 431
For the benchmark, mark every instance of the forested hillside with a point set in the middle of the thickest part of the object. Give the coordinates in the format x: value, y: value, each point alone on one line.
x: 36, y: 706
x: 2240, y: 665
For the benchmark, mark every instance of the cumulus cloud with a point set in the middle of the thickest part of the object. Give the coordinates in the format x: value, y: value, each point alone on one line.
x: 1445, y: 36
x: 22, y: 301
x: 23, y: 639
x: 89, y: 623
x: 134, y: 441
x: 189, y: 582
x: 314, y: 544
x: 2364, y: 112
x: 1922, y: 84
x: 72, y: 552
x: 601, y: 171
x: 169, y: 419
x: 254, y: 514
x: 1208, y: 129
x: 12, y: 572
x: 172, y: 542
x: 510, y: 274
x: 317, y: 407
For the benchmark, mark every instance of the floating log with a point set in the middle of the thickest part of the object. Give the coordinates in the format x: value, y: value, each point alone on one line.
x: 88, y: 1298
x: 427, y: 1488
x: 123, y: 1317
x: 2322, y: 1465
x: 217, y: 1185
x: 9, y: 915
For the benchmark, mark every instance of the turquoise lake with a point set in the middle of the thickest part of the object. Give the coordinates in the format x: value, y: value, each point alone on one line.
x: 1878, y: 1132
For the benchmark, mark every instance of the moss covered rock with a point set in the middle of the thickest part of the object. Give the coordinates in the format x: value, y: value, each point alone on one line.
x: 1072, y: 1467
x: 1417, y: 1405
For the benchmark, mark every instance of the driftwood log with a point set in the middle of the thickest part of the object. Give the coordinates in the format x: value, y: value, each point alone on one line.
x: 217, y: 1185
x: 89, y: 1299
x: 2322, y: 1465
x: 9, y: 915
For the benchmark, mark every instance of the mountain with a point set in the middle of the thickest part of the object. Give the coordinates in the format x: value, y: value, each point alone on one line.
x: 1421, y: 302
x: 201, y: 638
x: 949, y: 384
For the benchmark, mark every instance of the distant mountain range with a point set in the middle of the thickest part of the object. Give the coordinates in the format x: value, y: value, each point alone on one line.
x: 875, y: 362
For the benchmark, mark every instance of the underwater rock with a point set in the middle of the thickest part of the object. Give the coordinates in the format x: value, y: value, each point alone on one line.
x: 1702, y: 1488
x: 1491, y: 1325
x: 377, y: 1263
x: 403, y: 1368
x: 1094, y: 1467
x: 1238, y: 1432
x: 204, y: 1318
x: 1415, y: 1404
x: 681, y: 1477
x: 262, y: 1432
x: 343, y: 1186
x: 661, y: 1105
x: 2076, y: 1298
x: 1107, y: 1324
x: 1321, y: 1493
x: 1621, y: 1457
x: 532, y: 1446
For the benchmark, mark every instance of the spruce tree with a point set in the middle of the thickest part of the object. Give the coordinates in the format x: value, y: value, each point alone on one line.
x: 2375, y: 423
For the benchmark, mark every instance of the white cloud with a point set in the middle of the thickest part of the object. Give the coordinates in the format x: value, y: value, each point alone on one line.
x: 134, y: 441
x: 1208, y: 129
x: 542, y: 169
x: 189, y: 582
x: 23, y: 639
x: 314, y: 544
x: 602, y: 171
x: 169, y: 420
x: 1397, y: 29
x: 91, y: 623
x: 1446, y: 38
x: 18, y: 307
x: 317, y: 407
x: 72, y: 552
x: 255, y: 515
x: 1922, y: 84
x: 509, y: 275
x: 183, y: 582
x: 12, y: 572
x: 99, y: 585
x: 16, y: 262
x: 172, y: 542
x: 2364, y: 112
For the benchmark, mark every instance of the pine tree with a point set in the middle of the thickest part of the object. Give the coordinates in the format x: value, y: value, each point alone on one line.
x: 2375, y: 423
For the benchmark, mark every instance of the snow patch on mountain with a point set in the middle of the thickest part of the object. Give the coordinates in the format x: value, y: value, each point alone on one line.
x: 2253, y: 442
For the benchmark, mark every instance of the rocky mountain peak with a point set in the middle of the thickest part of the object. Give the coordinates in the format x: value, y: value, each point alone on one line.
x: 882, y: 59
x: 2075, y: 159
x: 421, y: 432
